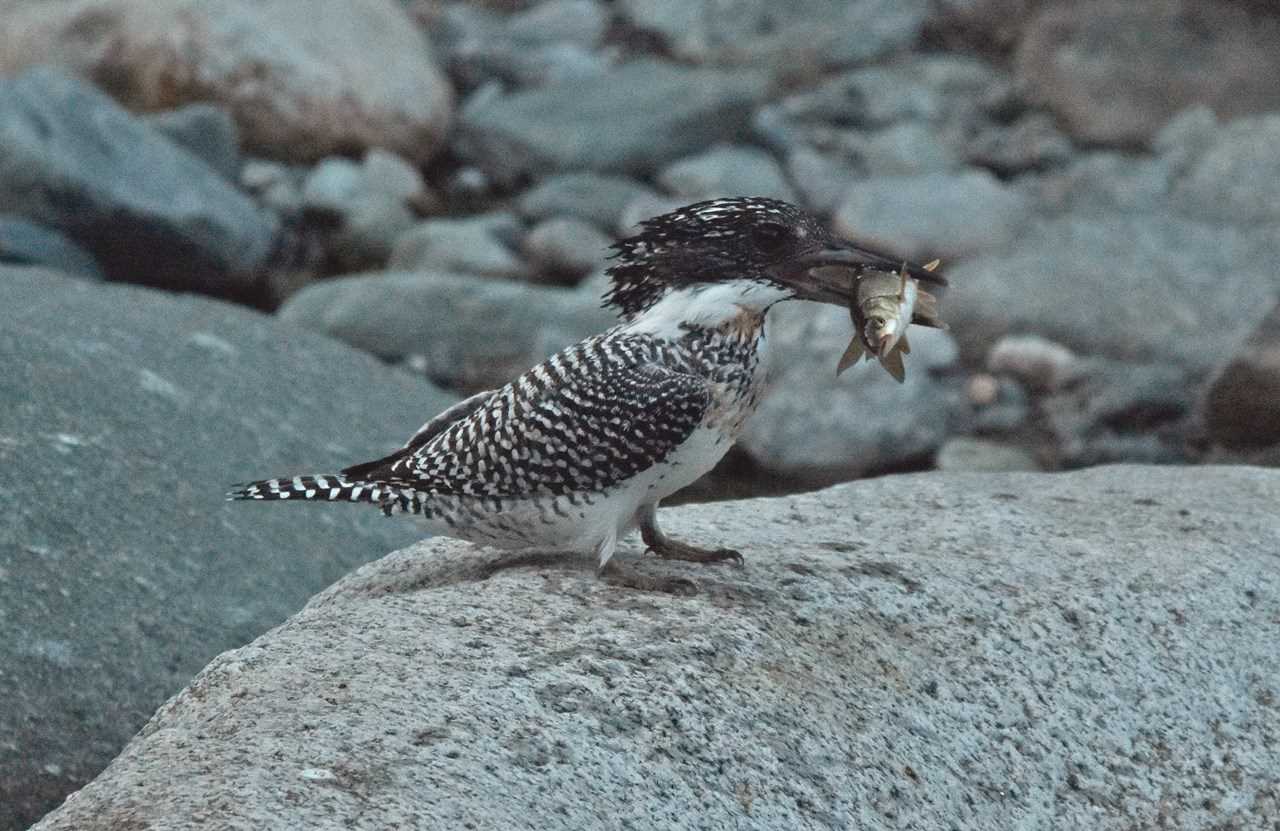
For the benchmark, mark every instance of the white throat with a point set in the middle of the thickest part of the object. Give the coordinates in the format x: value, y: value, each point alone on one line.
x: 707, y: 305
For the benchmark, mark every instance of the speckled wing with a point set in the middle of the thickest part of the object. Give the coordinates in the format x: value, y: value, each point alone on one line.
x: 441, y: 422
x: 586, y: 419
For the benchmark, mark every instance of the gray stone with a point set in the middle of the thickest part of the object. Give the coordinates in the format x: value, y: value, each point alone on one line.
x: 469, y: 332
x: 936, y: 90
x: 632, y: 119
x: 581, y: 22
x: 276, y: 185
x: 1000, y: 405
x: 935, y: 215
x: 304, y: 79
x: 1242, y: 404
x: 645, y: 207
x: 821, y: 34
x: 387, y: 173
x: 332, y: 185
x: 1130, y: 286
x: 1037, y: 362
x: 912, y: 148
x: 592, y: 197
x: 964, y: 453
x: 727, y: 170
x: 566, y: 247
x: 1034, y: 142
x: 72, y: 159
x: 821, y: 428
x: 207, y: 132
x: 1206, y: 170
x: 1106, y: 182
x: 124, y: 415
x: 26, y: 243
x: 337, y: 182
x: 940, y: 651
x: 371, y: 228
x: 821, y: 179
x: 1114, y: 71
x: 988, y: 26
x: 1120, y: 411
x: 374, y: 201
x: 1236, y: 176
x: 548, y: 43
x: 473, y: 245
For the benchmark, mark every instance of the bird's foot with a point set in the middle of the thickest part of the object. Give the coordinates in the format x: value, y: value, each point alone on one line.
x: 628, y: 579
x: 672, y: 550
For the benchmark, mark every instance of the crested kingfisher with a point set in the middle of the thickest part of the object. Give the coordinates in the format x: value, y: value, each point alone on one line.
x: 579, y: 450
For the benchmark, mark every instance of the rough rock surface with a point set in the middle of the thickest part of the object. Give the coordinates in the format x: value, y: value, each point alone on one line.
x: 632, y: 119
x: 1088, y: 650
x: 149, y: 211
x: 124, y: 415
x: 303, y: 78
x: 467, y: 331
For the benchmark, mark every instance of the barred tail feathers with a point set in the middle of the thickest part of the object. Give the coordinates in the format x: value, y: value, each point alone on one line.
x: 331, y: 487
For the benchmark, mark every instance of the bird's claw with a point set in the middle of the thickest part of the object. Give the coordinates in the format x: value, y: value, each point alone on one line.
x: 689, y: 553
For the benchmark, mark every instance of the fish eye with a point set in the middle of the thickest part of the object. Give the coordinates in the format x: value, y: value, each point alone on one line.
x: 877, y: 321
x: 770, y: 236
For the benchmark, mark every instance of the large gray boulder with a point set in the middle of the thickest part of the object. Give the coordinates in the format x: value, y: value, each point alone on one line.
x: 1125, y: 285
x: 811, y: 33
x: 466, y: 331
x: 149, y: 211
x: 1114, y: 71
x: 632, y: 119
x: 1089, y: 650
x: 124, y: 415
x: 304, y: 79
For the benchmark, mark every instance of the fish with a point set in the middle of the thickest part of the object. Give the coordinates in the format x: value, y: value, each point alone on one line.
x: 883, y: 305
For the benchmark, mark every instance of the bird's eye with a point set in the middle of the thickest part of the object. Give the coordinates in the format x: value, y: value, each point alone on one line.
x: 770, y: 236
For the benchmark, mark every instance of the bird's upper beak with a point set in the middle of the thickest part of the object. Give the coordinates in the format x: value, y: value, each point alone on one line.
x: 829, y: 274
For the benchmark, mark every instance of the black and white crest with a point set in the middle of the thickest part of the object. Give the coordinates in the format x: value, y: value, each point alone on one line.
x: 719, y: 239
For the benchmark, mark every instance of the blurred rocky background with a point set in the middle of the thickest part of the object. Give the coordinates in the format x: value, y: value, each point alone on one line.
x: 411, y: 201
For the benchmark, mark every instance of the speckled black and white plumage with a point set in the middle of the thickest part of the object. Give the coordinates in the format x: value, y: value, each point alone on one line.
x: 578, y: 450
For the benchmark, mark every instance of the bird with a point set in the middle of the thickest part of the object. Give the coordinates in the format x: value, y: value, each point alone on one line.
x: 578, y: 451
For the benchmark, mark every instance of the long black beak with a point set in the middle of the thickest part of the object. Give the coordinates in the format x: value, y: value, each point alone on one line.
x: 830, y: 275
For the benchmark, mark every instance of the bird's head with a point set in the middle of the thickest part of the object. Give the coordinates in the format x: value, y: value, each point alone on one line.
x: 757, y: 250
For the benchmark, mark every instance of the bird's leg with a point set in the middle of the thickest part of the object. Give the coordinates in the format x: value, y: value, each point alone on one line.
x: 616, y: 575
x: 669, y: 549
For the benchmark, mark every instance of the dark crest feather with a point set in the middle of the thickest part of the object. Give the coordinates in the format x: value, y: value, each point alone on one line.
x: 717, y: 239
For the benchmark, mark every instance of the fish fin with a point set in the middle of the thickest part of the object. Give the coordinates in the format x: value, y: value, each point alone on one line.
x: 850, y: 356
x: 926, y: 311
x: 904, y: 346
x: 932, y: 265
x: 892, y: 364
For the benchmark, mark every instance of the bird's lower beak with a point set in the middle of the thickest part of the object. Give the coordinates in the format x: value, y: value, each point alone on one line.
x: 830, y: 275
